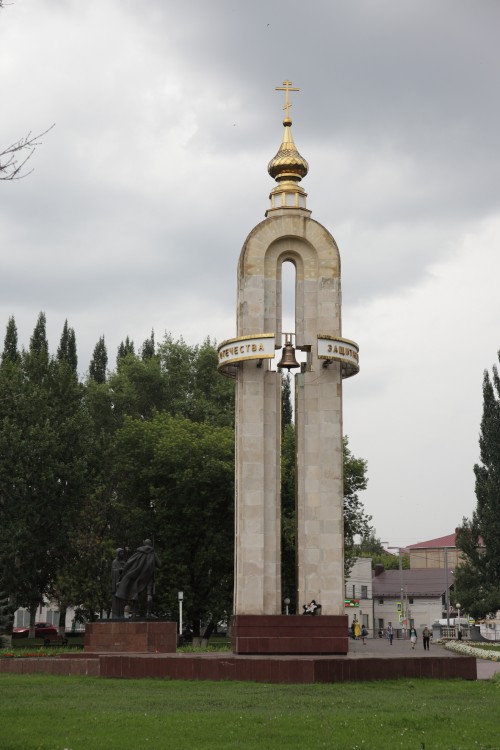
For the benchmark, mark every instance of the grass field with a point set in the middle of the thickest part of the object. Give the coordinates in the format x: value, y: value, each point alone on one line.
x: 40, y: 712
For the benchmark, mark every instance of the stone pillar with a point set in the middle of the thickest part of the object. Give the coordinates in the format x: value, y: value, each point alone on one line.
x: 320, y: 539
x: 288, y: 234
x: 293, y: 237
x: 257, y: 529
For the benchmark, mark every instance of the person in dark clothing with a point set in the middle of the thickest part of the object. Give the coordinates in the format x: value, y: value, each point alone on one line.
x: 138, y: 574
x: 426, y: 637
x: 390, y: 633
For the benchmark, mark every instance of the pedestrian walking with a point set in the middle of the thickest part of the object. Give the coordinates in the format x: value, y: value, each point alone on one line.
x: 413, y: 637
x: 390, y: 633
x: 364, y: 633
x: 426, y: 637
x: 357, y: 629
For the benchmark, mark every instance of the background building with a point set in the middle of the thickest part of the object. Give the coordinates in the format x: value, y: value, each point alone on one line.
x: 435, y: 553
x: 358, y: 593
x: 409, y: 598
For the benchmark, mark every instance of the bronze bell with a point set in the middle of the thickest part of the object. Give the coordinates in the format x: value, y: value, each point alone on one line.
x: 288, y: 360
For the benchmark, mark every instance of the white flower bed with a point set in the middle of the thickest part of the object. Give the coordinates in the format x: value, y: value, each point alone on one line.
x: 480, y: 653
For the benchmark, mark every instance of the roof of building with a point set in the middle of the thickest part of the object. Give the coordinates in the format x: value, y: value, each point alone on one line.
x: 416, y: 582
x: 441, y: 541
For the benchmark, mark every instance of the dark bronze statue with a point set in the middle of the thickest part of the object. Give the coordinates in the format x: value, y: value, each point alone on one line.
x: 139, y: 574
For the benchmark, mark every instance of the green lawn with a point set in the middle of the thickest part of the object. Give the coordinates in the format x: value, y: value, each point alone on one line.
x: 84, y: 713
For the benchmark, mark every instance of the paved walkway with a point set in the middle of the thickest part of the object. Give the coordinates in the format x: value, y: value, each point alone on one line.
x: 486, y: 669
x: 380, y: 647
x: 401, y: 647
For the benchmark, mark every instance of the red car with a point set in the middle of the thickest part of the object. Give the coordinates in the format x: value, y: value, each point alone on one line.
x: 42, y: 630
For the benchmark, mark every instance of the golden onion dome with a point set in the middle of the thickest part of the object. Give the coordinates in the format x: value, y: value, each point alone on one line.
x: 288, y: 164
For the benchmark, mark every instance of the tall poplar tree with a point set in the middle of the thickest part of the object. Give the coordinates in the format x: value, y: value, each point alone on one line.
x: 10, y: 351
x: 477, y: 578
x: 99, y: 362
x: 44, y: 440
x: 67, y: 347
x: 38, y: 342
x: 126, y: 347
x: 148, y: 348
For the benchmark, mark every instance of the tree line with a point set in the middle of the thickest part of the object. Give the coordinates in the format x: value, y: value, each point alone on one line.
x: 477, y: 577
x: 144, y: 450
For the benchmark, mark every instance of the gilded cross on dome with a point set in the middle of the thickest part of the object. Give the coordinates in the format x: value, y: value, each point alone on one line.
x: 287, y: 86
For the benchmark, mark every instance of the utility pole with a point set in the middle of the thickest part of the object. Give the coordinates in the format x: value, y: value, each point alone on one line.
x: 447, y: 592
x: 400, y: 581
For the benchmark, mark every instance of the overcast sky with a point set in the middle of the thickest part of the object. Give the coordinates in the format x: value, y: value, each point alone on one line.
x: 156, y: 170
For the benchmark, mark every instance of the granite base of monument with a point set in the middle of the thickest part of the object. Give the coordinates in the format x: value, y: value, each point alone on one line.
x: 290, y: 634
x: 131, y: 636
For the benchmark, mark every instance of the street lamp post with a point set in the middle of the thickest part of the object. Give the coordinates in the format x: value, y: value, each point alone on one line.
x: 180, y: 597
x: 447, y: 592
x: 459, y: 626
x: 400, y: 580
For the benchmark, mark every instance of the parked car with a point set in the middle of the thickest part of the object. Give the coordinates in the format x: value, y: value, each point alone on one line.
x: 42, y: 630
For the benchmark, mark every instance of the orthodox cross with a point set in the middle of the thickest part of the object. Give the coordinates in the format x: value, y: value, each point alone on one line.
x: 287, y: 86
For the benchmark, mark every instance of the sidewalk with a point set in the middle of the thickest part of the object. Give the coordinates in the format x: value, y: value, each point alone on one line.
x: 486, y: 669
x: 401, y: 648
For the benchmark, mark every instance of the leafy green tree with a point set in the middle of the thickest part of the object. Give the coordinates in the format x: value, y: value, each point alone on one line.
x: 477, y: 578
x: 99, y: 362
x: 6, y: 620
x: 176, y: 362
x: 213, y: 396
x: 85, y: 579
x: 356, y: 521
x: 126, y: 347
x: 174, y: 480
x: 39, y: 346
x: 10, y: 351
x: 149, y: 348
x: 43, y: 454
x: 137, y: 387
x: 180, y: 379
x: 371, y: 546
x: 67, y: 348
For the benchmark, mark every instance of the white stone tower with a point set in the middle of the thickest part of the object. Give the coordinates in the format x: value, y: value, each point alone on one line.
x: 289, y: 234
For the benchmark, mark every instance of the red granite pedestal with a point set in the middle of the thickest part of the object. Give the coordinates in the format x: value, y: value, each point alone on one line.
x: 131, y: 636
x: 290, y: 634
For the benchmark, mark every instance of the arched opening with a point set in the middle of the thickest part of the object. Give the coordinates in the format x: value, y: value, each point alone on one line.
x: 288, y: 284
x: 288, y: 450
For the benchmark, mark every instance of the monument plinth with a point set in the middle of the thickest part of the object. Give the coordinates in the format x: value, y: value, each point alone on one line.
x: 289, y: 634
x: 131, y: 636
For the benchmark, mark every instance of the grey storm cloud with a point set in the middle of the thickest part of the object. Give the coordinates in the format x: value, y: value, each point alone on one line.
x: 156, y: 170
